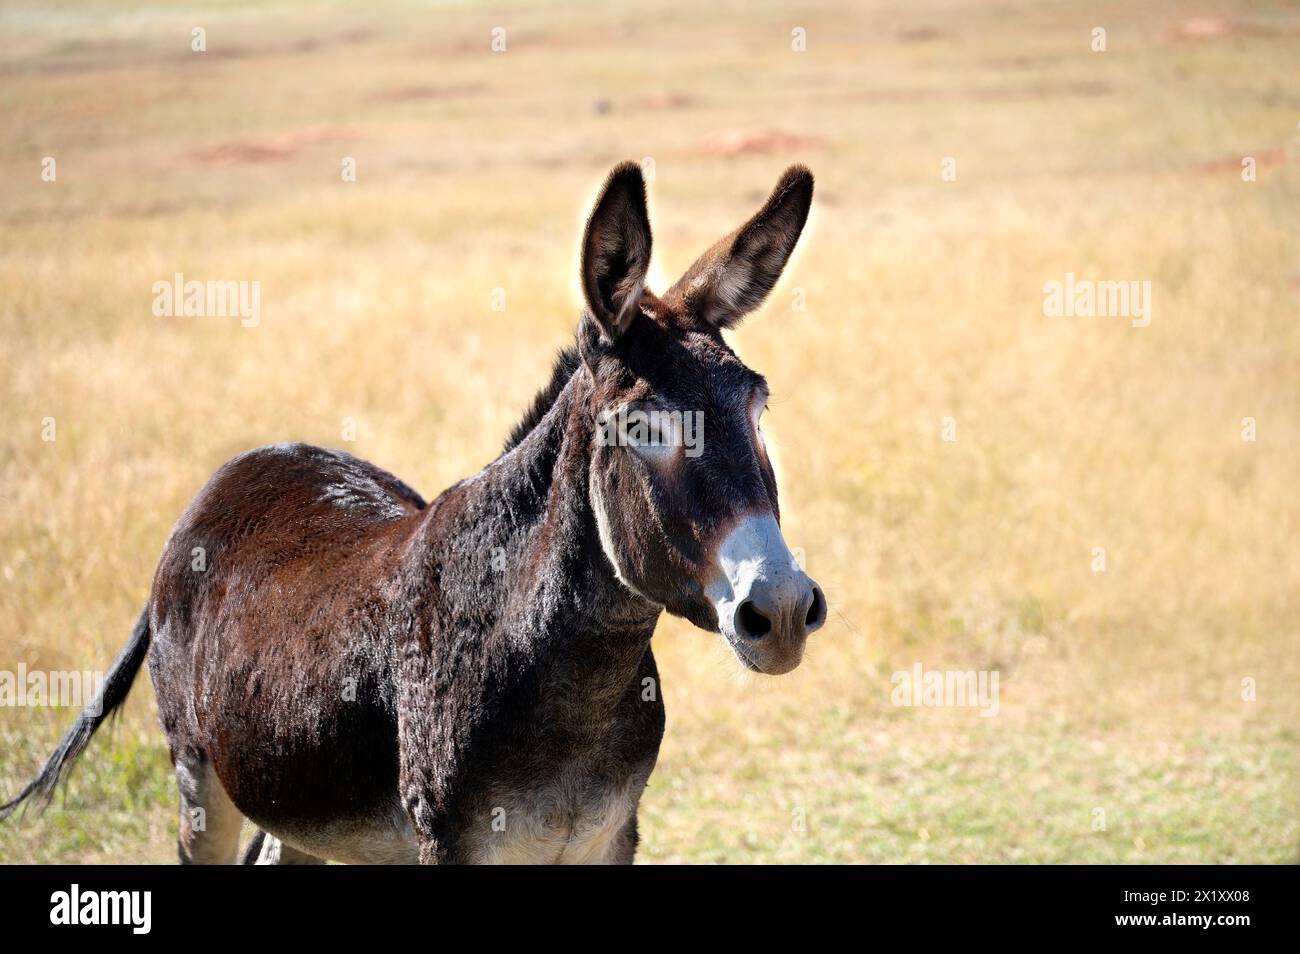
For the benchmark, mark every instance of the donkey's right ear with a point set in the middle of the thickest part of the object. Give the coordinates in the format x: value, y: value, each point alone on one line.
x: 732, y: 278
x: 616, y: 250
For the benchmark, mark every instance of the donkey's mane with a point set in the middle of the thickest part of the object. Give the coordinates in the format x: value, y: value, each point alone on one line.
x: 566, y: 363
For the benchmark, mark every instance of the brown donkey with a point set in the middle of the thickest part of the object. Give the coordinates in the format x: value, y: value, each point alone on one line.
x: 368, y: 678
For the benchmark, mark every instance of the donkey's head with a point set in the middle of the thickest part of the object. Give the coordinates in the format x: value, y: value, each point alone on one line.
x: 681, y: 483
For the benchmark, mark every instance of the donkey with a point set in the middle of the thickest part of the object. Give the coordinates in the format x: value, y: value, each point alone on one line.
x: 369, y: 678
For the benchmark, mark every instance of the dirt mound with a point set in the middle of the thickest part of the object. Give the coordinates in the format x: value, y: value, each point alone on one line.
x: 278, y: 148
x: 1265, y: 159
x: 1203, y: 28
x: 409, y: 94
x: 740, y: 142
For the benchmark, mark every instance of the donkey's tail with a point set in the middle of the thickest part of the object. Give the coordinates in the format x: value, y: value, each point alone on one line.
x: 112, y: 693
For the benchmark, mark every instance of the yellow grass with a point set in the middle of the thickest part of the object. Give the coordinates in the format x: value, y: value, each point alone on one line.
x: 1120, y: 690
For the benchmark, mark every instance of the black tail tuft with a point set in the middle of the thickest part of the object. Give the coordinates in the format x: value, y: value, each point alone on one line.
x: 254, y: 849
x: 111, y: 695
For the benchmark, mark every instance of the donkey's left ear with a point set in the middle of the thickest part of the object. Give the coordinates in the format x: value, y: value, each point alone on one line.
x: 732, y: 278
x: 616, y: 250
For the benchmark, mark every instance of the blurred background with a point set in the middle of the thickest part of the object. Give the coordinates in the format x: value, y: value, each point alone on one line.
x: 951, y: 458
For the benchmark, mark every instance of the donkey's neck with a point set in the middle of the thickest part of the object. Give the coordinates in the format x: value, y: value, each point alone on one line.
x: 519, y: 544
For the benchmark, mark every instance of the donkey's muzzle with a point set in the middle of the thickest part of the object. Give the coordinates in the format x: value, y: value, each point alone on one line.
x: 766, y: 604
x: 766, y: 613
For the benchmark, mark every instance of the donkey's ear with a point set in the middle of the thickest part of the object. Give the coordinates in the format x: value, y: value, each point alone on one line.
x: 732, y: 278
x: 616, y: 250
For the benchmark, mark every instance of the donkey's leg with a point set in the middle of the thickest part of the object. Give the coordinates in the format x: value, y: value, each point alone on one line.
x: 266, y: 849
x: 623, y: 850
x: 210, y: 822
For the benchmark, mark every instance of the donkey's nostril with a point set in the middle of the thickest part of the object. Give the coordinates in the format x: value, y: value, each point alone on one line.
x: 817, y: 611
x: 750, y: 622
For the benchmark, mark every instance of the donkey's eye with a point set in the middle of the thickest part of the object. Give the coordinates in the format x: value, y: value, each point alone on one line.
x: 651, y: 433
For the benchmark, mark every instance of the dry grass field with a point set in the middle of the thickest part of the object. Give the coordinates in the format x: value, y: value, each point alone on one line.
x: 922, y: 319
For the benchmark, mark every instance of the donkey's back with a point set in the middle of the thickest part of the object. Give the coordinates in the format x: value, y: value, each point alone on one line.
x: 273, y: 674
